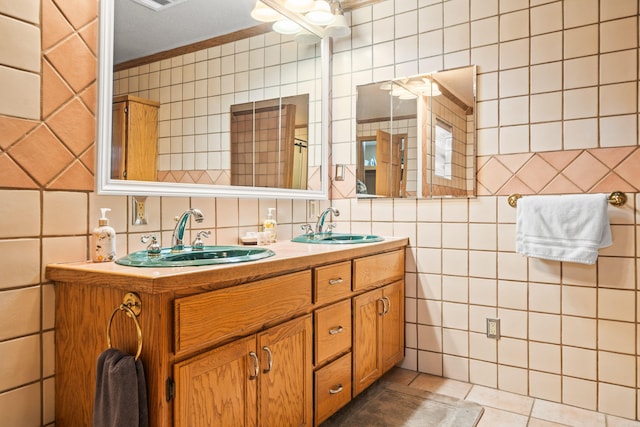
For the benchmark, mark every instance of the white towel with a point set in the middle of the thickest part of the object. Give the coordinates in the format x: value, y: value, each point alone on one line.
x: 563, y: 228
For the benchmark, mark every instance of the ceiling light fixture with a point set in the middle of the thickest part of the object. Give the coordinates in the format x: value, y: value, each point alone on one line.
x: 328, y: 15
x: 339, y: 27
x: 263, y: 13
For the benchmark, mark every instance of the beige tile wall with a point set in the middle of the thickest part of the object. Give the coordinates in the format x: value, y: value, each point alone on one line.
x: 557, y: 113
x: 569, y: 332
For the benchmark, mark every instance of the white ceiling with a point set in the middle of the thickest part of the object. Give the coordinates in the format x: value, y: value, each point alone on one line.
x: 140, y: 31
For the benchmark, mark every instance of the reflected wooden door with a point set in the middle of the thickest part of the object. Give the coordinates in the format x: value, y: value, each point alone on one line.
x: 388, y: 164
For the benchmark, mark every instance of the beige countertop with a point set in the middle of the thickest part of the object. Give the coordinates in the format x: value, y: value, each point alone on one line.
x: 289, y: 256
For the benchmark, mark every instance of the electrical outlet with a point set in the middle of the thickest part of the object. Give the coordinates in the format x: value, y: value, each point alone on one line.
x: 493, y: 328
x: 139, y: 214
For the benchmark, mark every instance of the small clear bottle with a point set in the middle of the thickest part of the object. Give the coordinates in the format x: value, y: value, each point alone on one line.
x: 269, y: 226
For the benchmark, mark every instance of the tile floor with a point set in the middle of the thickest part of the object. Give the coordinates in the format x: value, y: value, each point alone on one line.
x: 504, y: 409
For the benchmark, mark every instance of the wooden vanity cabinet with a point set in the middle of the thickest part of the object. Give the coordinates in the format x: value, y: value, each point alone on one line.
x: 361, y: 336
x: 264, y: 379
x: 378, y: 317
x: 227, y: 347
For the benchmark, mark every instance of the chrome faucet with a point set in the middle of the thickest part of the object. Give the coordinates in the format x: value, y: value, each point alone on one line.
x: 177, y: 243
x: 322, y: 217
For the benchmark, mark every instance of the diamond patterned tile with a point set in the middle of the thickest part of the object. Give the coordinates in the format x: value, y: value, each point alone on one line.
x: 55, y: 91
x: 55, y: 27
x: 90, y: 36
x: 613, y: 182
x: 75, y: 176
x: 560, y: 159
x: 12, y: 176
x: 585, y: 171
x: 493, y: 175
x: 74, y: 61
x: 28, y: 153
x: 537, y: 173
x: 481, y: 190
x: 78, y: 13
x: 74, y: 125
x: 88, y: 158
x: 90, y: 97
x: 514, y: 162
x: 561, y: 185
x: 629, y: 169
x: 611, y: 157
x: 515, y: 185
x: 12, y: 129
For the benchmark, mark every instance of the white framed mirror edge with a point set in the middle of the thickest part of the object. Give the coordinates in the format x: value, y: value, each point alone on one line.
x: 105, y: 185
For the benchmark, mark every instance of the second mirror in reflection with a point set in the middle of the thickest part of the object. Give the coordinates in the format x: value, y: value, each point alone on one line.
x: 416, y: 136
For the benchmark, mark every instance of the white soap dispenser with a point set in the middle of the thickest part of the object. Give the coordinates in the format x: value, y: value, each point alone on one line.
x: 270, y: 225
x: 103, y: 240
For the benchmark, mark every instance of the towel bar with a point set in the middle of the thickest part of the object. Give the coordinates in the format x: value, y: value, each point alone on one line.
x: 617, y: 198
x: 132, y: 306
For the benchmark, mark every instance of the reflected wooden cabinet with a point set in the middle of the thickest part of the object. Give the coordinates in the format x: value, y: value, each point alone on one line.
x: 264, y: 379
x: 134, y: 151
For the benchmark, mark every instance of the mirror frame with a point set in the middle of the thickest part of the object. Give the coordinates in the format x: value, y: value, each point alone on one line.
x: 105, y: 185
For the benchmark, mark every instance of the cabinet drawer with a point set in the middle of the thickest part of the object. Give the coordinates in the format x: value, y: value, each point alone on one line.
x: 332, y: 330
x: 378, y: 269
x: 332, y: 387
x: 209, y: 318
x: 332, y: 282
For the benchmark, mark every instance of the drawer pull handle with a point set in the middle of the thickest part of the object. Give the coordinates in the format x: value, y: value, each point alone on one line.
x: 256, y: 365
x: 388, y: 304
x: 336, y: 390
x: 336, y: 281
x: 269, y: 359
x: 335, y: 331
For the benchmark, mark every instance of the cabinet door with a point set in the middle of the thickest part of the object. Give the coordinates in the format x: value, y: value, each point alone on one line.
x: 285, y: 386
x: 118, y: 140
x: 392, y: 347
x: 218, y: 388
x: 367, y: 331
x: 142, y: 142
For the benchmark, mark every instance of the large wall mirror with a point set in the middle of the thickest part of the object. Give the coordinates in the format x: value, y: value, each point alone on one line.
x: 242, y: 114
x: 416, y: 136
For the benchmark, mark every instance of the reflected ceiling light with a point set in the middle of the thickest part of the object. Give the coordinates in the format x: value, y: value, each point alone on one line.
x: 286, y: 26
x: 320, y: 14
x: 300, y: 6
x: 263, y: 13
x: 327, y: 14
x: 408, y: 95
x: 307, y: 38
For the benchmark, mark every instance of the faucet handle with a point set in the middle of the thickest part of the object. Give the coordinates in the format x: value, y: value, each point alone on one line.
x: 198, y: 243
x: 154, y: 248
x: 331, y: 226
x: 307, y: 228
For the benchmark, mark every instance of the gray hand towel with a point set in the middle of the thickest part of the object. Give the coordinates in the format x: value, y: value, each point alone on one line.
x: 121, y: 391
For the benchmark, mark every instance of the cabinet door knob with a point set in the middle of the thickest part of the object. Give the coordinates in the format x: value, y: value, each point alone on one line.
x: 256, y: 365
x: 338, y: 388
x: 384, y: 307
x: 337, y: 330
x: 336, y: 281
x: 269, y: 360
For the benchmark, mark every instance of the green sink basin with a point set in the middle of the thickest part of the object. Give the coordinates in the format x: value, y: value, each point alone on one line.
x: 210, y: 255
x: 337, y: 238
